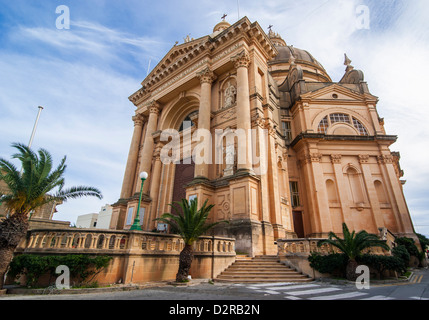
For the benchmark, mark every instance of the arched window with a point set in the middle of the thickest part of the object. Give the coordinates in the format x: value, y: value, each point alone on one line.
x: 187, y: 123
x: 333, y: 118
x: 359, y: 127
x: 323, y: 125
x: 339, y: 117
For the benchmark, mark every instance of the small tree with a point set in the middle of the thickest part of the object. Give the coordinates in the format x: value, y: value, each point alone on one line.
x: 28, y: 190
x: 352, y: 245
x: 190, y: 223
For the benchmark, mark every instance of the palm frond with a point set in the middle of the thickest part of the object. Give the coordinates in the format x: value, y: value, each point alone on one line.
x: 188, y: 220
x: 352, y: 243
x: 77, y: 192
x: 37, y: 183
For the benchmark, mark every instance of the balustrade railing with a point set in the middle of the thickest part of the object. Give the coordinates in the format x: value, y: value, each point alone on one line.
x: 75, y: 240
x: 310, y: 245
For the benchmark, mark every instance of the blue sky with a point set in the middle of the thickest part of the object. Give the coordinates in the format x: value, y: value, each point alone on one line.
x: 83, y: 76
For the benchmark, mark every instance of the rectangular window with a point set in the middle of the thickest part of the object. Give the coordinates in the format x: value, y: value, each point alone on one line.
x: 193, y: 197
x: 130, y: 215
x: 294, y: 194
x: 287, y: 131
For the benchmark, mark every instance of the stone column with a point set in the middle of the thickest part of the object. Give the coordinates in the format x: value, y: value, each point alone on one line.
x: 400, y: 207
x: 341, y: 188
x: 241, y: 63
x: 372, y: 193
x: 206, y: 79
x: 318, y: 195
x: 154, y: 191
x: 130, y: 169
x: 147, y: 151
x: 273, y: 184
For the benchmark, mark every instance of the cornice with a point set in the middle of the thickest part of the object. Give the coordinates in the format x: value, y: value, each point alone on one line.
x: 324, y: 137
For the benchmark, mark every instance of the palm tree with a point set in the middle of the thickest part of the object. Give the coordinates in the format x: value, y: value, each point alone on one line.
x: 28, y: 189
x: 352, y: 245
x: 190, y: 223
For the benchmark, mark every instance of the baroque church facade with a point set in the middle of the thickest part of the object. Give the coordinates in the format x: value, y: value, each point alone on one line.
x: 326, y: 156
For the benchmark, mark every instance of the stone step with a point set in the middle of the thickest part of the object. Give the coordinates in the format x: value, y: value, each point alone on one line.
x: 274, y: 280
x: 261, y: 269
x: 241, y: 271
x: 262, y: 276
x: 254, y: 263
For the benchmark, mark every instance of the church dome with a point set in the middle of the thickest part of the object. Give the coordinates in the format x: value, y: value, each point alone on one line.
x: 221, y: 26
x: 288, y: 56
x: 286, y: 52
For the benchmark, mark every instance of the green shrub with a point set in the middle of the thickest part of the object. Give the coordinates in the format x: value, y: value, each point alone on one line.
x: 402, y: 253
x: 381, y: 263
x: 409, y: 245
x: 83, y: 268
x: 333, y: 263
x: 424, y: 242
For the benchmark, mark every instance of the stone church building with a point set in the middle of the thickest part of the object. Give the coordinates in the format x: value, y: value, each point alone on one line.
x: 324, y: 156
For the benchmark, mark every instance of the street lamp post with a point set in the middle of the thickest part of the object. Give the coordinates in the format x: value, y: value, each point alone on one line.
x: 35, y: 126
x: 136, y: 225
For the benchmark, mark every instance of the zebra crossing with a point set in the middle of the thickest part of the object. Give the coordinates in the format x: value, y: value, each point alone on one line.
x: 313, y: 291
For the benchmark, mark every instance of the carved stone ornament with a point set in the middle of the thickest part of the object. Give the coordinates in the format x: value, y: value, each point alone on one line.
x: 336, y: 158
x: 363, y: 158
x: 385, y: 159
x: 206, y: 75
x: 154, y: 107
x: 312, y: 157
x: 230, y: 95
x: 139, y: 120
x: 242, y: 59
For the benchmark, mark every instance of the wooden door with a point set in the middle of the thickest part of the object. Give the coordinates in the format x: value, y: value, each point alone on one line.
x: 184, y: 175
x: 298, y: 224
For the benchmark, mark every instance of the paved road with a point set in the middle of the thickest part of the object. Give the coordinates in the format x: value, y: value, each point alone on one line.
x: 417, y: 288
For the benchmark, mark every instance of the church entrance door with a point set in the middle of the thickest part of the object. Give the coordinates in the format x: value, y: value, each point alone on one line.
x: 184, y: 175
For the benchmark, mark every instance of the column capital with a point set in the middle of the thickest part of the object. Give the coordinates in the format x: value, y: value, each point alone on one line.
x: 384, y: 159
x: 363, y: 158
x: 311, y: 157
x: 154, y: 107
x: 241, y: 59
x: 335, y: 158
x: 206, y: 75
x: 139, y: 119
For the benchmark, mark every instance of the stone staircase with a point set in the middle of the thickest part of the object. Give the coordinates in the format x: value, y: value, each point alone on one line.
x: 260, y: 269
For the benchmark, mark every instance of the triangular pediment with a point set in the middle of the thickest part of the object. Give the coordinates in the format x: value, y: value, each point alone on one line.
x: 182, y: 56
x: 177, y: 56
x: 338, y: 92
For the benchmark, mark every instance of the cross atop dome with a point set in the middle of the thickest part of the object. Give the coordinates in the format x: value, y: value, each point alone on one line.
x: 275, y: 38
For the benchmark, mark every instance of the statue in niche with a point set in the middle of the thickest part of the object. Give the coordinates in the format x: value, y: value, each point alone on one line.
x: 230, y: 95
x: 229, y: 160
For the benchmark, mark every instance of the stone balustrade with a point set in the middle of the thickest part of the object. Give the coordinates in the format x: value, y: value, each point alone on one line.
x: 138, y: 256
x: 96, y: 240
x: 295, y: 253
x: 303, y: 247
x: 309, y: 245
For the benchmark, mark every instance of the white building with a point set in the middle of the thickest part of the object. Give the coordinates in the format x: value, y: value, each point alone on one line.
x: 87, y: 220
x: 99, y: 220
x: 104, y: 217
